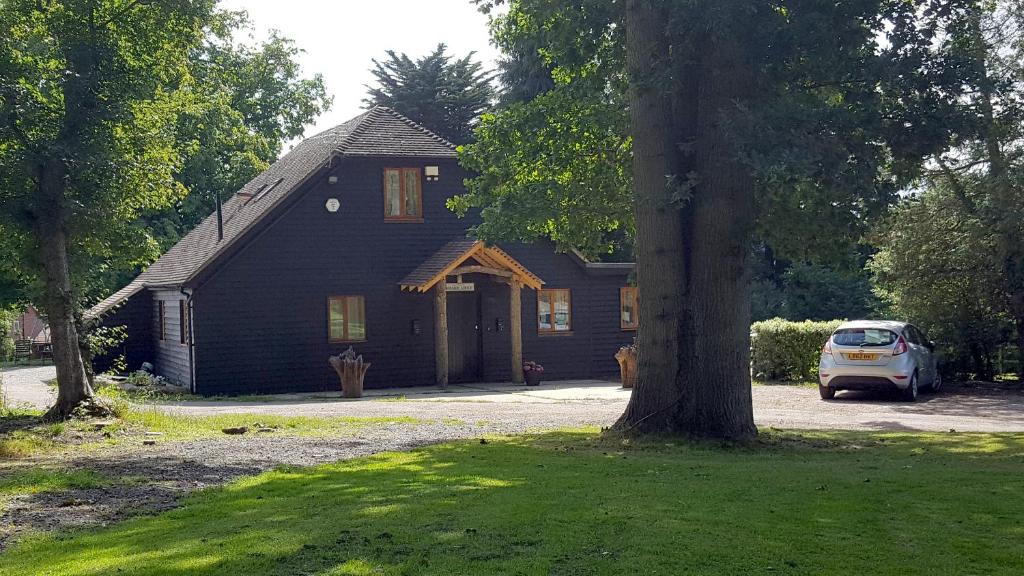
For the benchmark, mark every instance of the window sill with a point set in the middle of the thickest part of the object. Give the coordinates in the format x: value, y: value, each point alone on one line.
x: 555, y: 334
x: 403, y: 220
x: 346, y: 341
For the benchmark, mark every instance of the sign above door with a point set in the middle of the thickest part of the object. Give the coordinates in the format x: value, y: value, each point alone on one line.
x: 459, y: 287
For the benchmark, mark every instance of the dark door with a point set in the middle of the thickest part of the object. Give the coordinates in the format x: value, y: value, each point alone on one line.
x: 464, y: 337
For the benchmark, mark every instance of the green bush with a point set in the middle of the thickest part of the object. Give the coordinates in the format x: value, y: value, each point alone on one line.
x: 7, y: 318
x: 785, y: 350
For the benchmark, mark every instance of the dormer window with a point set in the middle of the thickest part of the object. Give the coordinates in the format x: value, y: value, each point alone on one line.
x: 403, y: 195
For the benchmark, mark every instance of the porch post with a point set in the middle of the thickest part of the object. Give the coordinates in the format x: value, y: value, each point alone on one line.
x: 515, y: 321
x: 441, y: 333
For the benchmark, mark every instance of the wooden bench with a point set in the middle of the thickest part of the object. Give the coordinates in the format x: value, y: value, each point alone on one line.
x: 22, y: 349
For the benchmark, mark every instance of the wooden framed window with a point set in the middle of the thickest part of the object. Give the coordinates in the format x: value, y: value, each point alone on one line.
x: 162, y: 313
x: 403, y: 195
x: 554, y: 311
x: 346, y: 319
x: 182, y: 321
x: 629, y: 308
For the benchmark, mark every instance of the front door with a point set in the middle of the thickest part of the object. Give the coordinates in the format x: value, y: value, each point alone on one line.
x: 464, y: 337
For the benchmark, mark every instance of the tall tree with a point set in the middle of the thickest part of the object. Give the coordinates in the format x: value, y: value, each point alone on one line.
x: 247, y: 101
x: 86, y: 141
x: 984, y: 164
x: 448, y: 96
x: 939, y: 265
x: 770, y: 122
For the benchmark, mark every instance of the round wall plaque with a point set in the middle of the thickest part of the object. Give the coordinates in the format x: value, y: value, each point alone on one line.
x: 332, y: 205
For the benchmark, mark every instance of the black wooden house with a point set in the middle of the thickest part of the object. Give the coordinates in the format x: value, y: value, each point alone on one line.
x: 346, y: 241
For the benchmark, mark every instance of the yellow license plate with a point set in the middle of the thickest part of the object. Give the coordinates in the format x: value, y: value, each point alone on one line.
x: 862, y: 356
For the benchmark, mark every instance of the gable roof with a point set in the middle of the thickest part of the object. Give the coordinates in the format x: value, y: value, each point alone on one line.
x: 379, y: 131
x: 454, y: 254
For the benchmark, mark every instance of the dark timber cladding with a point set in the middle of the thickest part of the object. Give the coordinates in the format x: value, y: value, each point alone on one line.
x: 451, y: 260
x: 428, y: 304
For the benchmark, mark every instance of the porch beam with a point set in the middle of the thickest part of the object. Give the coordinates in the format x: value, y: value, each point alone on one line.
x: 515, y: 321
x: 441, y: 334
x: 481, y: 270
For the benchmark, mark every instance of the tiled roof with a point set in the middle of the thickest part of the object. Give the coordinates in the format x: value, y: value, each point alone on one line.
x: 454, y: 254
x: 431, y: 267
x: 379, y: 131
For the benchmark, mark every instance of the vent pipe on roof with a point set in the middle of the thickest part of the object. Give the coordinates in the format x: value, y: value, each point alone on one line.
x: 220, y: 219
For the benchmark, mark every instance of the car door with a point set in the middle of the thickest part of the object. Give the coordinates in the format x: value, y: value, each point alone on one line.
x: 930, y: 358
x: 922, y: 354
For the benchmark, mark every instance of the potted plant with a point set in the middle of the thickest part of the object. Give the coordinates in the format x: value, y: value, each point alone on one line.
x: 532, y: 372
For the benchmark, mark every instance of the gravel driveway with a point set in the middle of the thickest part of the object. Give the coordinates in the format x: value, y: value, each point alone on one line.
x: 576, y: 403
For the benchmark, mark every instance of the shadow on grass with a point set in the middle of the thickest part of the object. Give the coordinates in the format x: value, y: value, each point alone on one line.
x: 585, y: 504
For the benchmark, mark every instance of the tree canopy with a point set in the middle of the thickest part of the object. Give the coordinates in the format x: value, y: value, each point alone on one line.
x: 445, y: 94
x: 791, y: 125
x: 110, y: 111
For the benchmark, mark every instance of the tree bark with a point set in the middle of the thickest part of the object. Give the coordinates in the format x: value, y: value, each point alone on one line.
x: 717, y: 237
x: 692, y: 264
x: 658, y: 227
x: 72, y: 384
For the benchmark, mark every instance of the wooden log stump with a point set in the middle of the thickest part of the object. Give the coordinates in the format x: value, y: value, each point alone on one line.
x: 351, y: 370
x: 627, y: 365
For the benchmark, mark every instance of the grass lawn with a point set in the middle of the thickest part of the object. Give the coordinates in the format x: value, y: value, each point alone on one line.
x: 22, y: 434
x: 577, y: 503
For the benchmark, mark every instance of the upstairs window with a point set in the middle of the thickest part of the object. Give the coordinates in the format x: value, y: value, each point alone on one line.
x: 346, y: 319
x: 403, y: 194
x: 629, y: 308
x: 554, y: 311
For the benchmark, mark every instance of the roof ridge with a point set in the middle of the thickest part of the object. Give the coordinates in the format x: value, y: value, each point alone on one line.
x: 360, y: 126
x: 376, y: 111
x: 413, y: 124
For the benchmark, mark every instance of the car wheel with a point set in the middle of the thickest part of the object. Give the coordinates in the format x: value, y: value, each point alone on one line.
x: 936, y: 382
x: 910, y: 392
x: 826, y: 392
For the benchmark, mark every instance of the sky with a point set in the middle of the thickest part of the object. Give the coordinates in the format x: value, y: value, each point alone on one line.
x: 341, y: 37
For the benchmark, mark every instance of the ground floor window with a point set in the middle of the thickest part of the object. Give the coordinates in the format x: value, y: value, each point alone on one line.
x: 346, y: 318
x: 182, y: 321
x: 554, y: 311
x: 162, y: 312
x: 629, y: 307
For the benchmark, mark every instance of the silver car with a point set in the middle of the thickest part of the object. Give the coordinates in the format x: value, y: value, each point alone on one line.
x: 878, y: 355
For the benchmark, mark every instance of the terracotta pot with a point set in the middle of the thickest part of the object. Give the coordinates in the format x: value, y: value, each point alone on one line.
x: 532, y: 377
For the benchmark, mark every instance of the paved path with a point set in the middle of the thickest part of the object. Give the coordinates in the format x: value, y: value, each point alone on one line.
x: 26, y: 386
x: 575, y: 403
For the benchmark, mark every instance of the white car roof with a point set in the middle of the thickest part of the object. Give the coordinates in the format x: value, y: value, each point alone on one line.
x: 886, y: 324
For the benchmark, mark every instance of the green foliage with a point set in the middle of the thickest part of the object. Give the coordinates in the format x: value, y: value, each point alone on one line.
x: 447, y: 96
x: 89, y: 94
x: 937, y: 266
x: 840, y: 123
x: 589, y: 180
x: 37, y: 480
x: 816, y: 292
x: 555, y: 504
x: 245, y: 102
x: 7, y: 318
x: 785, y: 350
x: 180, y: 114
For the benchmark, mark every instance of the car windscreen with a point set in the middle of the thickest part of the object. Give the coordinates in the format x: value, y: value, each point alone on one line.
x: 861, y: 337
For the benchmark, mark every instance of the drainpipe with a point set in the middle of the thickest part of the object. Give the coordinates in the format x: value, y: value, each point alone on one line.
x: 189, y: 339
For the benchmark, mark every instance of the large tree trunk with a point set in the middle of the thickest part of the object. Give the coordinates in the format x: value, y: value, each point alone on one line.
x: 72, y: 385
x: 717, y: 238
x: 692, y: 264
x: 658, y: 228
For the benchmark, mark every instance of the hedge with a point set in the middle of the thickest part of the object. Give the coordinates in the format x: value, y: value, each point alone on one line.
x: 785, y: 350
